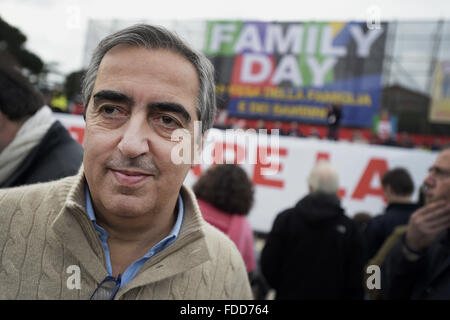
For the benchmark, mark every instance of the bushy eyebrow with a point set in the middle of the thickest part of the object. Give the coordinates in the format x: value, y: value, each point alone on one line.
x: 114, y: 96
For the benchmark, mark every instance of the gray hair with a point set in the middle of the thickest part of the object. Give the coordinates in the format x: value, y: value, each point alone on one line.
x: 323, y: 178
x: 152, y: 37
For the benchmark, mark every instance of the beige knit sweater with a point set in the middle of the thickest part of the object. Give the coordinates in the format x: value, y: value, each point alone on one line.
x: 46, y: 234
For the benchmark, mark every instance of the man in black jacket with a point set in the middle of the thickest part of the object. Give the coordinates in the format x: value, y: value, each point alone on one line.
x: 398, y: 188
x: 418, y: 264
x: 34, y: 147
x: 313, y: 250
x: 334, y: 121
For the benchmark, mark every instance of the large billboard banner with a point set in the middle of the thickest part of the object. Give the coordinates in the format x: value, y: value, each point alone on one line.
x: 440, y: 100
x: 293, y: 71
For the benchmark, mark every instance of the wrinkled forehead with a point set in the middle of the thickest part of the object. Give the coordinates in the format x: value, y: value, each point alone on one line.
x: 131, y: 69
x: 443, y: 160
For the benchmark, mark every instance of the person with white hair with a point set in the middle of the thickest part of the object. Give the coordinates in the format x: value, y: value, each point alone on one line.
x: 323, y: 178
x: 314, y: 251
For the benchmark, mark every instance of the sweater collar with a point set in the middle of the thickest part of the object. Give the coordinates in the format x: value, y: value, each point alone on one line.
x: 74, y: 228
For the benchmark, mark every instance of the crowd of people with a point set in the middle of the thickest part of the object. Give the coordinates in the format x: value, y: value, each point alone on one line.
x: 316, y: 243
x: 331, y: 131
x: 117, y: 209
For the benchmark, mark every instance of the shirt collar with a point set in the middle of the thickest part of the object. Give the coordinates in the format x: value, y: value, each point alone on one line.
x: 89, y: 207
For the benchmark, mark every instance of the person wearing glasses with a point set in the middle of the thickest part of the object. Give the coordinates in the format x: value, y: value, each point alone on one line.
x: 125, y: 227
x: 418, y: 264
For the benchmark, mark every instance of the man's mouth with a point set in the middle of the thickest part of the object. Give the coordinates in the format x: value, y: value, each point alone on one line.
x: 129, y: 177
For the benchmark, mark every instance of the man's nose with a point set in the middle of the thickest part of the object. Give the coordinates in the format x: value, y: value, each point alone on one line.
x: 135, y: 138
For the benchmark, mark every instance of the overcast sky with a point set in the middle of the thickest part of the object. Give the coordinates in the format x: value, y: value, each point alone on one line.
x: 56, y: 28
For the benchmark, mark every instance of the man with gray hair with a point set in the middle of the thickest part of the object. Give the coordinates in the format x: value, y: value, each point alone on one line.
x: 314, y: 251
x: 125, y: 227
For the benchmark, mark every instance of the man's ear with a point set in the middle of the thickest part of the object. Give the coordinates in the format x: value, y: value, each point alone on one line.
x: 387, y: 192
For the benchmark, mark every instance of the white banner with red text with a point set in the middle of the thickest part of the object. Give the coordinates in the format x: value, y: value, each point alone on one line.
x: 279, y: 168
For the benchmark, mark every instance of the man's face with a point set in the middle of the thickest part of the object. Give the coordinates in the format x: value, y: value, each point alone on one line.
x: 140, y: 98
x: 438, y: 180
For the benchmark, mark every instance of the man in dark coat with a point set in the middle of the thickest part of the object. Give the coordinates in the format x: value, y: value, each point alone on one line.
x: 418, y: 264
x: 34, y: 147
x: 398, y: 188
x: 313, y: 250
x: 334, y: 121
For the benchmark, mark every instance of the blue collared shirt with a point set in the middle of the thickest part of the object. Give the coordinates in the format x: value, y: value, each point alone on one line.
x: 131, y: 271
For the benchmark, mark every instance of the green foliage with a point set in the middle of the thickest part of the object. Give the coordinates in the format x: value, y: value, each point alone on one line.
x: 12, y: 42
x: 72, y: 84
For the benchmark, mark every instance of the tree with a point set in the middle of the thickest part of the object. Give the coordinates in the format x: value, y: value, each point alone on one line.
x: 12, y: 49
x: 72, y: 84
